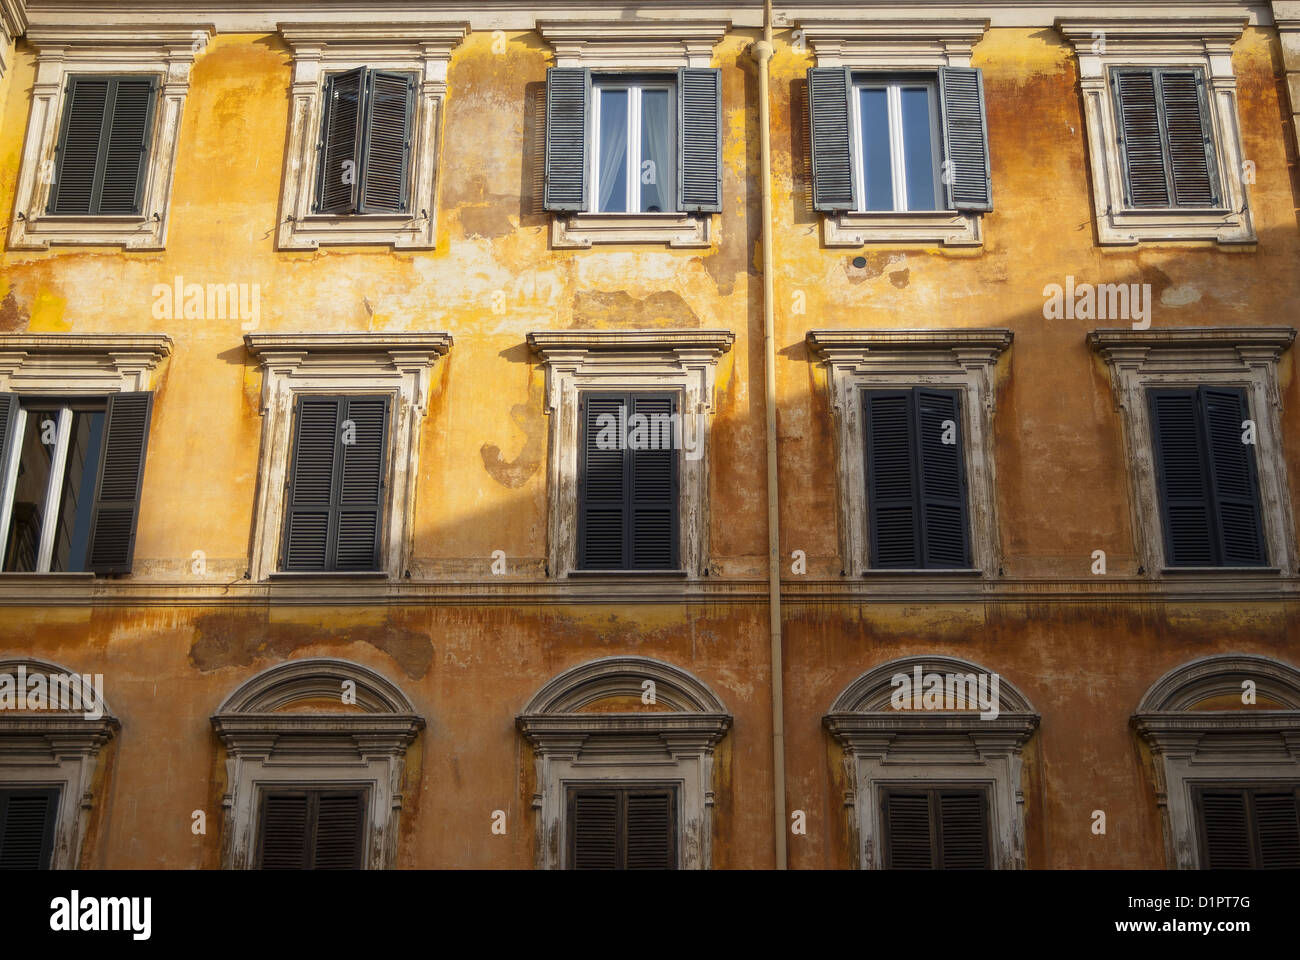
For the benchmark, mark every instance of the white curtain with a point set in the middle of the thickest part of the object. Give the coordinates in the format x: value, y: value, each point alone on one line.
x: 656, y: 146
x: 612, y: 193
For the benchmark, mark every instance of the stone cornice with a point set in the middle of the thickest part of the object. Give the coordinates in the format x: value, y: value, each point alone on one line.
x: 863, y: 341
x: 1144, y: 28
x: 266, y: 345
x: 441, y: 37
x: 241, y: 730
x: 643, y: 42
x: 13, y: 17
x: 1111, y: 343
x: 154, y: 345
x: 851, y: 728
x: 547, y: 344
x: 152, y: 35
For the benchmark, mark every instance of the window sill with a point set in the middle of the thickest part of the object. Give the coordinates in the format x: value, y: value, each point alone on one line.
x: 971, y: 572
x: 1260, y: 573
x: 582, y: 230
x: 626, y: 574
x: 25, y: 576
x: 403, y: 231
x: 952, y: 228
x: 1135, y: 225
x: 318, y: 575
x: 136, y: 232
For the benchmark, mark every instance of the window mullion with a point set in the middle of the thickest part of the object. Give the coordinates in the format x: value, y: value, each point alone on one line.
x: 857, y: 155
x: 593, y: 149
x: 50, y: 518
x: 896, y: 154
x: 633, y: 149
x: 9, y: 478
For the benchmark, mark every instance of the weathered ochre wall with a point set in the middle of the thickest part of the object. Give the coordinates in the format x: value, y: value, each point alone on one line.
x: 1062, y: 489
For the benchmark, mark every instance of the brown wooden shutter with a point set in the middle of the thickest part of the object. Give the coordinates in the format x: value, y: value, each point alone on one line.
x: 622, y: 828
x: 1249, y: 827
x: 386, y: 158
x: 285, y: 832
x: 340, y: 143
x: 649, y: 831
x: 909, y: 840
x: 117, y: 492
x: 339, y: 831
x: 27, y: 820
x: 594, y: 822
x: 963, y: 830
x: 312, y: 830
x: 936, y: 828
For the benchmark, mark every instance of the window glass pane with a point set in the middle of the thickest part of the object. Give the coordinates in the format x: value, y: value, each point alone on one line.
x: 23, y: 538
x: 73, y: 531
x: 657, y: 173
x: 878, y: 171
x: 611, y: 151
x: 918, y: 151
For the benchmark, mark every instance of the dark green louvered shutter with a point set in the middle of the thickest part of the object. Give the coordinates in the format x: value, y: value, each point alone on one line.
x: 965, y: 139
x: 117, y: 491
x: 653, y: 533
x: 389, y: 112
x: 1244, y: 828
x: 594, y: 825
x: 1233, y: 479
x: 336, y: 488
x: 27, y: 828
x: 699, y: 138
x: 103, y: 147
x: 568, y: 105
x: 603, y: 485
x: 829, y: 89
x: 1165, y: 137
x: 891, y: 479
x: 929, y: 829
x: 340, y: 143
x: 1181, y: 478
x: 942, y: 479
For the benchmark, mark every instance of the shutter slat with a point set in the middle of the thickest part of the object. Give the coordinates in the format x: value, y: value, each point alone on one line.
x: 389, y: 109
x: 832, y: 155
x: 27, y: 828
x: 699, y: 98
x: 284, y: 832
x: 568, y: 103
x: 595, y: 831
x: 649, y: 831
x: 908, y: 836
x: 341, y: 139
x: 116, y: 512
x: 966, y: 138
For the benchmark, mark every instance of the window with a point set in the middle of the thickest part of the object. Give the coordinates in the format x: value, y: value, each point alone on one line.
x: 896, y: 135
x: 312, y: 830
x: 916, y: 482
x: 1249, y: 827
x: 935, y: 829
x: 72, y: 472
x: 365, y: 155
x: 27, y: 828
x: 625, y: 828
x: 1165, y: 137
x: 104, y: 144
x: 1205, y: 469
x: 632, y: 151
x: 628, y: 482
x: 336, y: 484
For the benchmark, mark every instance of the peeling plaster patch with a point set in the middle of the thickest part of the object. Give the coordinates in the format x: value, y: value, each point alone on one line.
x: 528, y: 417
x: 877, y: 264
x: 13, y: 315
x: 1180, y: 296
x: 593, y: 309
x: 489, y: 221
x: 899, y: 278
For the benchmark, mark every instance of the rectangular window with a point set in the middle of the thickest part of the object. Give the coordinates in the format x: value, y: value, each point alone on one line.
x: 634, y: 151
x: 336, y: 484
x: 70, y: 475
x: 1249, y: 827
x: 312, y: 830
x: 935, y: 829
x: 1207, y: 477
x: 627, y: 483
x: 27, y: 828
x: 916, y: 479
x: 1165, y: 137
x: 103, y: 151
x: 622, y: 828
x: 365, y: 144
x: 896, y: 129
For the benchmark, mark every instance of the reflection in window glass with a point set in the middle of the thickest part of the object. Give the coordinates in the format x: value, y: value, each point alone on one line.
x: 73, y: 531
x: 612, y: 152
x: 878, y: 173
x: 898, y: 147
x: 28, y: 511
x: 918, y: 158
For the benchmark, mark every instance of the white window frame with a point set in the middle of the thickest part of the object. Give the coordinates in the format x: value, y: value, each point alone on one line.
x: 893, y: 87
x: 632, y: 188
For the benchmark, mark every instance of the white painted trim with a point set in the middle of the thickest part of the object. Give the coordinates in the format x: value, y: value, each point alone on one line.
x: 629, y: 44
x: 59, y: 364
x: 53, y: 492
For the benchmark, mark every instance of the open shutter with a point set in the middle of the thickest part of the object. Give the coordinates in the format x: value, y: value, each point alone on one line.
x: 1181, y: 478
x: 594, y: 817
x: 649, y: 831
x: 361, y: 484
x: 8, y: 425
x: 285, y: 831
x: 653, y: 510
x: 965, y: 139
x: 963, y: 835
x: 568, y: 105
x: 311, y: 484
x: 603, y: 484
x: 27, y: 828
x: 1187, y: 128
x: 84, y: 110
x: 891, y: 492
x: 832, y: 155
x: 338, y: 837
x: 1225, y: 830
x: 340, y: 143
x: 944, y: 525
x: 699, y: 139
x: 390, y: 105
x: 909, y: 842
x: 126, y: 146
x: 1233, y: 478
x: 1277, y: 823
x: 117, y: 491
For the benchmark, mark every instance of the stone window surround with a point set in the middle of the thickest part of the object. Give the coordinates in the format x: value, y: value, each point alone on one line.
x: 268, y: 750
x: 946, y: 359
x: 896, y: 46
x: 580, y: 360
x: 614, y: 46
x: 1190, y: 356
x: 1191, y: 747
x: 1204, y: 42
x: 165, y: 51
x: 341, y: 363
x: 320, y: 48
x: 887, y: 747
x: 573, y: 748
x: 56, y: 750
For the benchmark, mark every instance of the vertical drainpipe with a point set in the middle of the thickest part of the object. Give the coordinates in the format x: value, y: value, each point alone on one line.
x: 762, y: 53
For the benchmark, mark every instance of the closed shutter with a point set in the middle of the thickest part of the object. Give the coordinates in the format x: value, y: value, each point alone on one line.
x: 1278, y: 826
x: 1181, y: 477
x: 699, y: 127
x: 963, y: 830
x: 943, y: 484
x: 104, y: 145
x: 340, y: 143
x: 339, y: 830
x: 336, y: 487
x: 649, y: 831
x: 285, y: 832
x: 117, y: 492
x: 653, y: 533
x: 1140, y: 141
x: 909, y: 840
x: 390, y: 105
x: 1165, y: 137
x: 595, y: 831
x: 1233, y: 478
x: 891, y: 479
x: 1187, y: 129
x: 965, y: 139
x: 939, y: 828
x: 8, y: 424
x: 622, y: 828
x: 1248, y: 827
x: 27, y: 828
x: 832, y: 156
x: 603, y: 484
x: 568, y: 105
x: 312, y: 830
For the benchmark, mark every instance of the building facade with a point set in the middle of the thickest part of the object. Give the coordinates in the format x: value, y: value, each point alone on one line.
x: 393, y: 395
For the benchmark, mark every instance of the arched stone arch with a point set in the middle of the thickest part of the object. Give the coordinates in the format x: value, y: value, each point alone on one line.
x: 973, y: 739
x: 1195, y: 744
x: 312, y: 724
x: 668, y: 742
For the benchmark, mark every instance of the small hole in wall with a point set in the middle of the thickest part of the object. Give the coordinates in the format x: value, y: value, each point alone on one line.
x: 859, y: 262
